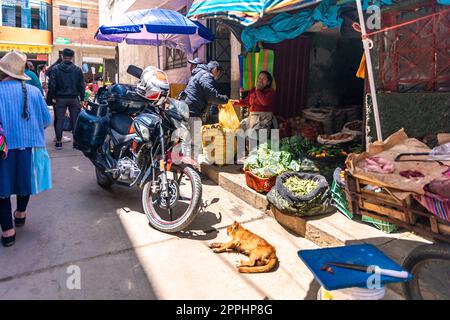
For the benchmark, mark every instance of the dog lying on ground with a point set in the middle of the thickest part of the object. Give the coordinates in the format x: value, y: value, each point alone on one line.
x: 262, y: 256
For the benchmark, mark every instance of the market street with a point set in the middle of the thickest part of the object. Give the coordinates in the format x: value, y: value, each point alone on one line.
x: 120, y: 256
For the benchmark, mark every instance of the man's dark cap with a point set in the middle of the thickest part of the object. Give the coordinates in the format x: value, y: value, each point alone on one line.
x: 214, y: 64
x: 196, y: 61
x: 68, y: 52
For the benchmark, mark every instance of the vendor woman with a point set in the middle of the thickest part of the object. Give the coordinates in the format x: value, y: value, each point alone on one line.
x: 261, y: 102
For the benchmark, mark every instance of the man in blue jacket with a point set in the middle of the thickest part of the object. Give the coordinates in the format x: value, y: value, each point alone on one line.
x: 200, y: 91
x: 67, y: 86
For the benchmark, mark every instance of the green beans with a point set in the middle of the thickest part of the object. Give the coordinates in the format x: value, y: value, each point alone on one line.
x: 300, y: 187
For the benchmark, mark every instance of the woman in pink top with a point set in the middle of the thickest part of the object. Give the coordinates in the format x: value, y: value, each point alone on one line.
x: 261, y: 101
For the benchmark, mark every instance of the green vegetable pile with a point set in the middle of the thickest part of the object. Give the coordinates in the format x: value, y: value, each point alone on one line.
x: 300, y: 187
x: 266, y: 163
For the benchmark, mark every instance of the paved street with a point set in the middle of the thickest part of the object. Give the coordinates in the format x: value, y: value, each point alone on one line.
x: 120, y: 256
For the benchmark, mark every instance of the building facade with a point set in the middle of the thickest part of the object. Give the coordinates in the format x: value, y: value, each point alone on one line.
x: 26, y: 25
x: 74, y: 25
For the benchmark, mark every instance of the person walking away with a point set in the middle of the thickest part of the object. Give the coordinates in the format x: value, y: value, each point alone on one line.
x: 34, y: 80
x: 49, y: 98
x: 23, y: 118
x: 67, y: 86
x: 200, y: 91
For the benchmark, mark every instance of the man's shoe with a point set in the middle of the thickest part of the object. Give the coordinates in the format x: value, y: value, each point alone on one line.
x: 65, y: 139
x: 58, y: 145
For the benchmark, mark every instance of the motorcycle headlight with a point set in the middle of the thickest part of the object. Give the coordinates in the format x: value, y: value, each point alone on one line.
x: 142, y: 131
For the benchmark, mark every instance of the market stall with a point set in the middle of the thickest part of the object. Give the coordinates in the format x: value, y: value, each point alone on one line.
x: 404, y: 182
x: 321, y: 83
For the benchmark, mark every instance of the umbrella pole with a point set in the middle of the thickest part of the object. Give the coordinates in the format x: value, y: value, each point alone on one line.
x: 157, y: 48
x: 367, y: 46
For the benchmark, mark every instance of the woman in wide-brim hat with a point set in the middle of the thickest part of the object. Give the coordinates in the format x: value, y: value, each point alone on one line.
x: 23, y: 118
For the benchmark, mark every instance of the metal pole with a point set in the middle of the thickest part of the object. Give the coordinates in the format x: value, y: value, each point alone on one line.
x: 373, y: 92
x: 157, y: 48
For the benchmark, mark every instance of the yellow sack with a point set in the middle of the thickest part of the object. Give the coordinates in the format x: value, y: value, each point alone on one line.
x: 228, y: 118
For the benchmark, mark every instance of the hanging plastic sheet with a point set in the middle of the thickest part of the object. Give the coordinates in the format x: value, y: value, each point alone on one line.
x: 245, y: 12
x: 253, y: 63
x: 288, y: 26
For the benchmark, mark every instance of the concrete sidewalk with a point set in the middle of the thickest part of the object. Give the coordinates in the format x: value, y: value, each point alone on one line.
x: 77, y: 224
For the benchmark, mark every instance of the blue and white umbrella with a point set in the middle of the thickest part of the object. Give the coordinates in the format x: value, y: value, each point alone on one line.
x: 156, y: 27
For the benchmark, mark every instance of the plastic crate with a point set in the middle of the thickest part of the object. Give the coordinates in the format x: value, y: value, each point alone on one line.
x: 381, y: 225
x: 261, y: 185
x: 340, y: 200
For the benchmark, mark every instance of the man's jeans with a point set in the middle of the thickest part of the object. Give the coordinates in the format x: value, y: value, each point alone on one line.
x: 60, y: 112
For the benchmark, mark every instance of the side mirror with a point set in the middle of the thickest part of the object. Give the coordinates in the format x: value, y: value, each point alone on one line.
x: 135, y: 71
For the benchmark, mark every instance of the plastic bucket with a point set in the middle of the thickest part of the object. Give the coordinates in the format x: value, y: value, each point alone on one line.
x: 352, y: 294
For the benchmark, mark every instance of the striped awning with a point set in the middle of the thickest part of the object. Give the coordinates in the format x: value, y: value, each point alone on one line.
x: 245, y: 12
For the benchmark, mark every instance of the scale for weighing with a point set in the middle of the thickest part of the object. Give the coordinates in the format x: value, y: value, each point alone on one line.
x: 365, y: 254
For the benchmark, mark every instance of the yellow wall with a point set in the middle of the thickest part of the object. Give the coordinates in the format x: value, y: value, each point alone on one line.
x: 21, y: 37
x: 25, y: 40
x: 25, y: 36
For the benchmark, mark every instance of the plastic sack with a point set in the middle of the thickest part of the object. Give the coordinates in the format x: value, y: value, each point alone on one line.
x: 41, y: 172
x: 354, y: 127
x: 252, y: 64
x: 228, y: 118
x: 441, y: 152
x: 337, y: 138
x: 315, y: 203
x: 323, y: 115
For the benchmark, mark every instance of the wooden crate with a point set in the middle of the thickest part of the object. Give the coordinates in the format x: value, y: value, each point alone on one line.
x: 408, y: 213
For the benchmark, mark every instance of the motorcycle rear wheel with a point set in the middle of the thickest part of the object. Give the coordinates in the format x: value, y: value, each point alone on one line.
x: 158, y: 219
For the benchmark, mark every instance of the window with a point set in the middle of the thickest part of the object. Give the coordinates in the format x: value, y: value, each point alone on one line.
x: 35, y: 16
x: 9, y: 11
x: 73, y: 17
x: 175, y: 59
x: 30, y: 14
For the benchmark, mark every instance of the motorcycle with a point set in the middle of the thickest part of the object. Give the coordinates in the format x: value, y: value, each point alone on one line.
x: 133, y: 136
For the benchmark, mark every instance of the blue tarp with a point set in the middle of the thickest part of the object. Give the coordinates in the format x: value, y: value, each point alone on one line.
x: 288, y: 26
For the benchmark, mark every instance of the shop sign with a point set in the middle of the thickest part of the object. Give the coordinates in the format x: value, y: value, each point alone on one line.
x: 60, y: 40
x: 26, y: 48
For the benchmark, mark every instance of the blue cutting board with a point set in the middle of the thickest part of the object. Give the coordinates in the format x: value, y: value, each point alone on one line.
x: 364, y: 254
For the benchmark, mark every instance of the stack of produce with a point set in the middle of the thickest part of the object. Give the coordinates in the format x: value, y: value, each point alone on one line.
x: 327, y: 151
x: 301, y: 194
x: 267, y: 163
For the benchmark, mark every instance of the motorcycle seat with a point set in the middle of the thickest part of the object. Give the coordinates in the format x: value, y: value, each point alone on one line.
x: 121, y: 123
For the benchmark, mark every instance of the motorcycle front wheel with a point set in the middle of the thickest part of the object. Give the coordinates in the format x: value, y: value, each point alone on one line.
x: 177, y: 210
